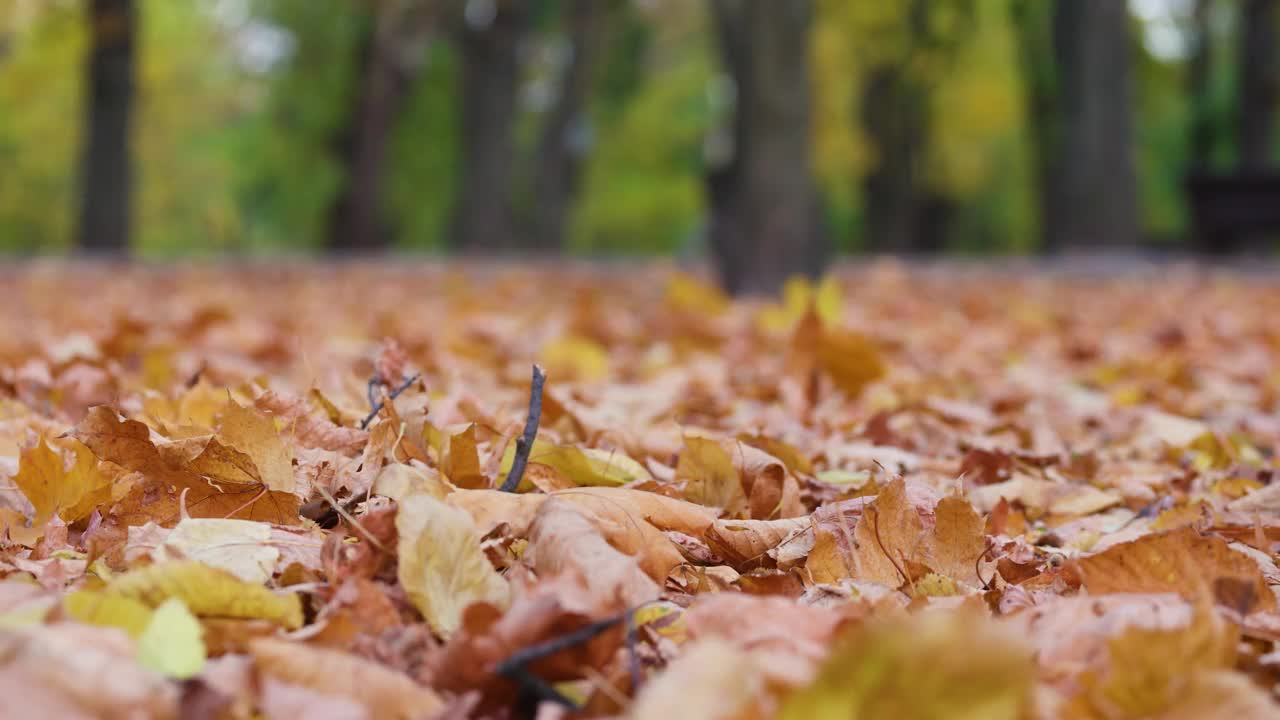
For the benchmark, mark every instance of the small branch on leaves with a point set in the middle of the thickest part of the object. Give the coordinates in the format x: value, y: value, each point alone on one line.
x: 525, y: 443
x: 515, y: 668
x: 377, y: 407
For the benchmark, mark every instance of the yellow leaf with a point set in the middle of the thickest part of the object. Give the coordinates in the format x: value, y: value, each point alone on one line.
x: 850, y: 359
x: 1154, y: 670
x: 207, y: 592
x: 95, y: 607
x: 575, y: 358
x: 173, y: 642
x: 585, y: 467
x: 462, y: 461
x: 957, y: 665
x: 798, y: 297
x: 663, y: 617
x: 254, y: 433
x: 855, y: 479
x: 442, y: 567
x: 710, y: 476
x: 689, y: 294
x: 52, y: 489
x: 398, y: 481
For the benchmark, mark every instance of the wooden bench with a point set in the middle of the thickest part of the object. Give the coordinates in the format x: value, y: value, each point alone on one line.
x: 1234, y: 212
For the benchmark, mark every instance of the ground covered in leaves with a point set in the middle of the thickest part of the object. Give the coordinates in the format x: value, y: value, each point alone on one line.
x: 902, y: 493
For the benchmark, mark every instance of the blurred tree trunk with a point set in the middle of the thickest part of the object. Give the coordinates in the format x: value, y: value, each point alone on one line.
x: 901, y: 213
x: 1033, y: 25
x: 356, y: 222
x: 765, y: 224
x: 489, y: 40
x: 105, y: 215
x: 895, y: 116
x: 563, y: 143
x: 1199, y: 84
x: 1259, y: 83
x: 1093, y: 193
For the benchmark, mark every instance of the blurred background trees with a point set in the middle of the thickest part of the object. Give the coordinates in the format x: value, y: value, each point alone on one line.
x: 762, y: 133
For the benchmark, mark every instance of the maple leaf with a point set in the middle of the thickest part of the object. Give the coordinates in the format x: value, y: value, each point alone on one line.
x: 207, y: 477
x: 53, y: 489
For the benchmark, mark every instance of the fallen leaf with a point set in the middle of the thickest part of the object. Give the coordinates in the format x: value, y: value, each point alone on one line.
x: 71, y: 494
x: 207, y: 591
x: 710, y: 476
x: 1179, y: 561
x: 562, y: 539
x: 77, y: 671
x: 253, y: 433
x: 442, y: 566
x: 241, y: 547
x: 711, y: 679
x: 172, y: 643
x: 386, y: 693
x: 937, y: 664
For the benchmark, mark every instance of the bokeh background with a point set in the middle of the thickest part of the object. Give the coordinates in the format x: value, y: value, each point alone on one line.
x: 610, y: 126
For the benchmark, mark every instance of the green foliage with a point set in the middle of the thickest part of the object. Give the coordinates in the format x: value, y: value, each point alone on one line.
x: 38, y: 142
x: 423, y: 177
x: 643, y: 187
x: 289, y: 174
x: 236, y: 158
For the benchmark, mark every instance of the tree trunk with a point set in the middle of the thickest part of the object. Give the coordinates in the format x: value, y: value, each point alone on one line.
x: 895, y: 116
x: 765, y: 223
x: 490, y: 81
x: 1259, y: 84
x: 563, y: 144
x: 107, y: 168
x: 1093, y: 194
x: 356, y: 222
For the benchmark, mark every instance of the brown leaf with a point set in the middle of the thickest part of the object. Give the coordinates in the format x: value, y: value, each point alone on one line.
x: 1179, y: 561
x: 386, y: 693
x: 562, y: 539
x: 887, y: 536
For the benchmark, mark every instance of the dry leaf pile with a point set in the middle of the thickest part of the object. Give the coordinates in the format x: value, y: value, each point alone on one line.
x: 262, y: 492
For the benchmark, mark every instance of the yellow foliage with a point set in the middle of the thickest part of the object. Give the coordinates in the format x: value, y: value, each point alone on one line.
x: 956, y: 664
x: 585, y: 467
x: 575, y: 358
x: 442, y: 567
x: 253, y: 433
x: 710, y: 476
x: 689, y: 294
x: 52, y: 489
x: 207, y: 592
x: 173, y: 642
x: 95, y: 607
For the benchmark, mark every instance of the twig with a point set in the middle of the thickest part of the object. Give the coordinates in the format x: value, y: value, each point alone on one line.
x: 875, y: 529
x: 377, y: 408
x: 514, y: 668
x: 346, y: 515
x: 525, y: 443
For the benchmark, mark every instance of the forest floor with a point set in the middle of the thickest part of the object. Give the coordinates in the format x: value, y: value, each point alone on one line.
x: 914, y: 490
